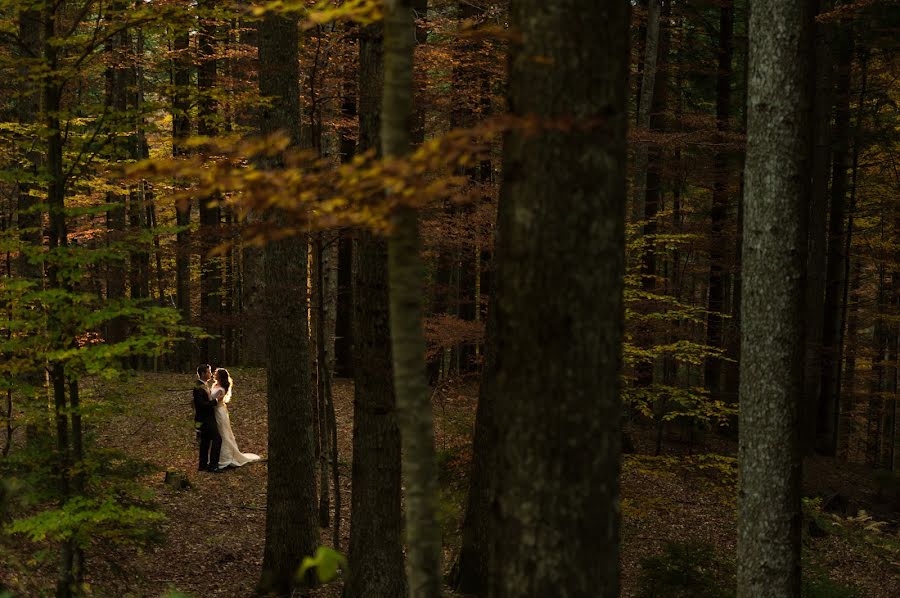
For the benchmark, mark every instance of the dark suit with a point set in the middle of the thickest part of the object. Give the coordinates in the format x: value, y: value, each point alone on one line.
x: 205, y: 421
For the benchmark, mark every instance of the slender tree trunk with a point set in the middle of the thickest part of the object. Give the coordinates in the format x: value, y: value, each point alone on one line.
x: 317, y: 297
x: 328, y: 284
x: 210, y: 213
x: 117, y: 103
x: 848, y: 398
x: 30, y: 264
x: 291, y: 531
x: 58, y: 242
x: 821, y: 94
x: 649, y: 164
x: 376, y: 522
x: 827, y: 413
x: 343, y: 340
x: 423, y: 537
x: 181, y: 130
x: 774, y: 257
x: 876, y: 384
x: 645, y: 98
x: 893, y: 348
x: 29, y: 101
x: 557, y: 307
x: 470, y: 571
x: 731, y: 382
x: 719, y: 212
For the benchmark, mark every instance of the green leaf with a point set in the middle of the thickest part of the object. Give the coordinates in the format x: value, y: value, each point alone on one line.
x: 326, y: 563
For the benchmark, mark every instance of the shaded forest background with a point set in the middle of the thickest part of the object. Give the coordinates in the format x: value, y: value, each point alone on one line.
x: 137, y: 203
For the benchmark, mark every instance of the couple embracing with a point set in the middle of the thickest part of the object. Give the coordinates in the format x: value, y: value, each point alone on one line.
x: 218, y: 448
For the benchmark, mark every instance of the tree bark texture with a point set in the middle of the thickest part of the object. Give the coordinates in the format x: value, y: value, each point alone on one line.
x: 719, y: 211
x: 828, y: 410
x: 291, y: 531
x: 557, y: 306
x: 821, y: 92
x: 406, y: 273
x: 376, y: 522
x: 645, y: 99
x: 210, y: 213
x: 774, y: 251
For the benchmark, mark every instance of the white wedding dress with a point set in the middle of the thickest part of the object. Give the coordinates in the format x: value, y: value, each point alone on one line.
x: 231, y: 455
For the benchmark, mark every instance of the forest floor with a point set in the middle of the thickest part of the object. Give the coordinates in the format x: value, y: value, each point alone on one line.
x: 213, y: 535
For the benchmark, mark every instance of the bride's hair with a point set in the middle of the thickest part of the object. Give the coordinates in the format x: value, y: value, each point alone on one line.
x: 225, y: 381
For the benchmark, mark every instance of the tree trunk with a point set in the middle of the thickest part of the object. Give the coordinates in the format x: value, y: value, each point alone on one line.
x: 343, y: 340
x: 291, y: 531
x: 774, y: 254
x: 317, y: 311
x: 471, y: 571
x: 181, y: 130
x: 827, y: 413
x: 650, y: 173
x: 876, y: 384
x: 29, y: 102
x: 376, y: 522
x: 406, y: 274
x: 821, y: 94
x: 117, y: 103
x: 719, y: 211
x: 57, y: 243
x: 848, y: 398
x: 557, y: 306
x: 210, y: 213
x: 645, y: 98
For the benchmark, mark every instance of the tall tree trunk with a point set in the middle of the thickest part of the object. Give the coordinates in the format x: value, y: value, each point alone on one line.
x: 470, y: 571
x: 645, y: 98
x: 828, y: 413
x: 181, y: 131
x: 210, y: 213
x: 29, y: 101
x: 732, y: 370
x: 719, y: 211
x: 774, y: 255
x: 820, y: 90
x: 291, y: 531
x: 117, y: 103
x: 893, y: 338
x: 317, y: 311
x: 376, y: 522
x: 557, y: 307
x: 876, y: 384
x: 30, y: 265
x: 406, y: 274
x: 251, y: 334
x: 57, y: 243
x: 343, y: 339
x: 848, y: 398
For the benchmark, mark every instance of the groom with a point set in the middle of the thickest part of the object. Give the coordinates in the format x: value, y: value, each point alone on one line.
x: 205, y: 422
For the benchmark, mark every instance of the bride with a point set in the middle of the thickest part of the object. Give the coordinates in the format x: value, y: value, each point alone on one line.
x: 220, y: 392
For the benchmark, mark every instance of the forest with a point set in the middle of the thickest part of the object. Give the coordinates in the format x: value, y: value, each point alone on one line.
x: 504, y: 298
